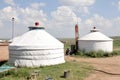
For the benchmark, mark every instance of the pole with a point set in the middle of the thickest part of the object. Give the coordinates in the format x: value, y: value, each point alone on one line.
x: 76, y: 36
x: 13, y: 28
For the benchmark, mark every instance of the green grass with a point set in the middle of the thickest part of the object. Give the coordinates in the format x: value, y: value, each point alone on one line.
x: 67, y: 42
x: 116, y: 43
x: 78, y: 71
x: 97, y: 54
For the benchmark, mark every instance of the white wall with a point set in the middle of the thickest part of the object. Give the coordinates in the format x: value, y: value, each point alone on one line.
x: 36, y: 58
x: 95, y: 45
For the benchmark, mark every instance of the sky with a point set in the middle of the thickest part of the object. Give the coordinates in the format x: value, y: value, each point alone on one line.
x: 60, y: 16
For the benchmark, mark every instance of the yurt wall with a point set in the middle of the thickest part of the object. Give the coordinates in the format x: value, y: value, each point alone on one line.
x: 87, y: 46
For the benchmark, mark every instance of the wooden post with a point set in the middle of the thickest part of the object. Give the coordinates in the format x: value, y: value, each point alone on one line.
x: 66, y: 73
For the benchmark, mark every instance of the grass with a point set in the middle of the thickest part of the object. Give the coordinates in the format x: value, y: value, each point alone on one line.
x: 116, y: 43
x: 78, y: 71
x: 67, y: 42
x: 97, y: 54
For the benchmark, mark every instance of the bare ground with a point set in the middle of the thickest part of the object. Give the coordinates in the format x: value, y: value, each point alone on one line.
x: 4, y: 53
x: 104, y: 68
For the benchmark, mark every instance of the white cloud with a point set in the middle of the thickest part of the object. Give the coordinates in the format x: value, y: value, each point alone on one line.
x: 100, y: 21
x: 30, y: 15
x: 79, y: 5
x: 63, y: 13
x: 1, y: 24
x: 38, y: 5
x: 113, y: 4
x: 119, y: 5
x: 117, y: 21
x: 78, y: 2
x: 115, y: 29
x: 10, y: 2
x: 107, y: 26
x: 42, y: 4
x: 63, y: 22
x: 7, y: 13
x: 24, y: 17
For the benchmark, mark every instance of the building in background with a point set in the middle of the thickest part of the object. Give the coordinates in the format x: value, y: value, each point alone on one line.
x: 4, y: 53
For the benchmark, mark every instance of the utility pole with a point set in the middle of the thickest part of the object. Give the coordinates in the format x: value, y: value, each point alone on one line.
x: 13, y: 28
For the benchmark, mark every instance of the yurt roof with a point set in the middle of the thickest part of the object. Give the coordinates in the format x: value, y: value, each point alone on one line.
x: 37, y: 38
x: 95, y: 36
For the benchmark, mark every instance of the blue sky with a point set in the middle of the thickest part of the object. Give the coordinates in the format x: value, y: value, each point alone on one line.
x: 60, y: 16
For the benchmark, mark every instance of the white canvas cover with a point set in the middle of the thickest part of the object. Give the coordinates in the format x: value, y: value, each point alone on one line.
x: 95, y: 36
x: 95, y: 41
x: 36, y: 48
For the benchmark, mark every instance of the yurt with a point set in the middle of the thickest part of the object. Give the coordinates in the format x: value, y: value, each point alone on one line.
x: 36, y: 48
x: 95, y: 41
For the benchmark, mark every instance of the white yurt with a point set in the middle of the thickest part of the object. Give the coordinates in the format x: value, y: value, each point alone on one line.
x: 95, y: 41
x: 36, y: 48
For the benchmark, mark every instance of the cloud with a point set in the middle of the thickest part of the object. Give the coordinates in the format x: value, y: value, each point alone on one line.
x: 98, y: 20
x: 42, y: 4
x: 117, y: 21
x: 7, y: 13
x: 10, y: 2
x: 119, y: 5
x: 29, y: 15
x: 63, y: 14
x: 78, y: 5
x: 78, y: 2
x: 24, y: 17
x: 107, y: 26
x: 116, y: 24
x: 63, y: 22
x: 1, y: 24
x: 38, y: 5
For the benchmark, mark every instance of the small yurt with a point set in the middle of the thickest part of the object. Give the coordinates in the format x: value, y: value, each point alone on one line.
x: 95, y: 41
x: 36, y: 48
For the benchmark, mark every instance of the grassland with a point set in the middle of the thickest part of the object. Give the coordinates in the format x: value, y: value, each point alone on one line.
x: 67, y: 42
x: 78, y: 71
x: 116, y: 43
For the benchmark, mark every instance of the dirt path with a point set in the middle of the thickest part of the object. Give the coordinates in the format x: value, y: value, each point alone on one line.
x: 104, y: 68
